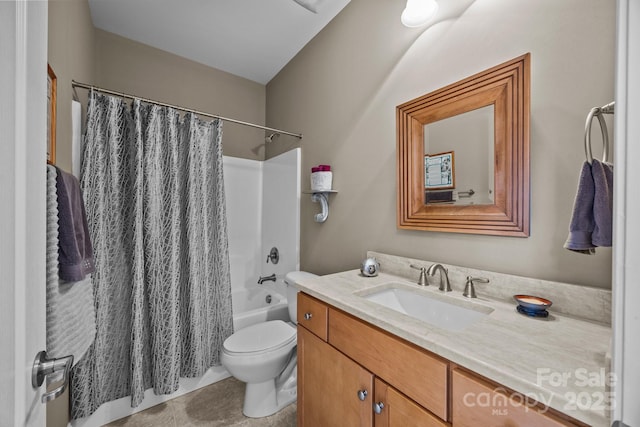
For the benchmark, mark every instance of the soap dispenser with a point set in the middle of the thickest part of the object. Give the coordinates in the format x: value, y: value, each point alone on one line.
x: 370, y: 267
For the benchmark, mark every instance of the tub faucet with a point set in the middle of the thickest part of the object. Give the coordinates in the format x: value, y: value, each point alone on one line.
x: 263, y: 279
x: 444, y: 278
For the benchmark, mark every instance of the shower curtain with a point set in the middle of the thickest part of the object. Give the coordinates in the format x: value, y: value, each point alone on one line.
x: 154, y: 193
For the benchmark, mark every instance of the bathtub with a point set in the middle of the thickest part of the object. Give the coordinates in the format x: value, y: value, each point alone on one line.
x: 257, y: 304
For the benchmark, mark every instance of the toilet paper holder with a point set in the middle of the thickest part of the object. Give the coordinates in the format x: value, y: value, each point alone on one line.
x: 322, y: 197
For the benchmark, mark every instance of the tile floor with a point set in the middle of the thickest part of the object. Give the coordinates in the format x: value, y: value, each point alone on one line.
x: 217, y: 405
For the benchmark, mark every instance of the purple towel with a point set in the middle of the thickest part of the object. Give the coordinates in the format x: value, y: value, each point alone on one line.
x: 582, y: 220
x: 602, y: 203
x: 592, y: 219
x: 75, y: 254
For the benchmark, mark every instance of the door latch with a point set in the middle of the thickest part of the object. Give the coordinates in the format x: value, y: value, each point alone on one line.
x: 43, y: 366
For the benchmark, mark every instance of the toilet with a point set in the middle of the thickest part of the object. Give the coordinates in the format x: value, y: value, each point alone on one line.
x: 264, y: 356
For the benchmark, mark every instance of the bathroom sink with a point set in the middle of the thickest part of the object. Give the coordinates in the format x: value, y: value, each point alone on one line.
x: 433, y: 309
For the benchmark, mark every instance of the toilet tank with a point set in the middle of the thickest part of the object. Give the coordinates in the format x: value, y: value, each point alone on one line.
x: 291, y: 280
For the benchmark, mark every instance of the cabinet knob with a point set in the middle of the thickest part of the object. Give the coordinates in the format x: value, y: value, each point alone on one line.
x: 378, y: 407
x: 362, y: 394
x: 308, y: 316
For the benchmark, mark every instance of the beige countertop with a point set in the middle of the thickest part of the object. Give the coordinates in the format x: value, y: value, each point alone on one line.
x: 559, y: 361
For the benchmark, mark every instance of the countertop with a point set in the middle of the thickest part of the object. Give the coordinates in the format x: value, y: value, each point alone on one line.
x: 559, y: 361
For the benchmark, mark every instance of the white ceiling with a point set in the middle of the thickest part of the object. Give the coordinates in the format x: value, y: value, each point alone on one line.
x: 249, y: 38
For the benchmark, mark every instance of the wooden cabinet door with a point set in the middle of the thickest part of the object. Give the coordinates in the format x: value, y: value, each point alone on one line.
x: 328, y: 386
x: 477, y: 402
x: 399, y: 411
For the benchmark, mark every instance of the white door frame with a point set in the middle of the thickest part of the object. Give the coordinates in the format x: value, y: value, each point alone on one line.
x: 626, y: 254
x: 23, y: 106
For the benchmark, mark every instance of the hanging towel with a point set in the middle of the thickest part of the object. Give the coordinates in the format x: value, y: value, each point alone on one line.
x: 602, y: 203
x: 582, y: 220
x: 71, y: 326
x: 75, y: 252
x: 592, y: 220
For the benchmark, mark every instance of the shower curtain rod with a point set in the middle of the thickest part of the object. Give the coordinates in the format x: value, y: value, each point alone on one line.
x: 188, y: 110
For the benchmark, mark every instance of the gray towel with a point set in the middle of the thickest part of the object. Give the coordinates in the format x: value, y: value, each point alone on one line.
x: 602, y: 203
x: 582, y: 221
x: 75, y: 252
x: 71, y: 325
x: 592, y: 220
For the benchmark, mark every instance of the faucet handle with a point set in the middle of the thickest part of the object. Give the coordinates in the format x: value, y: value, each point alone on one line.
x: 469, y: 289
x: 422, y: 281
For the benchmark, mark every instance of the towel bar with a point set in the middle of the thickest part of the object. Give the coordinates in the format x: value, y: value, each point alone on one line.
x: 598, y: 112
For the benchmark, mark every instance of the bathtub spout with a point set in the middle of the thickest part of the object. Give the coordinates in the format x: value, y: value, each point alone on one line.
x: 263, y: 279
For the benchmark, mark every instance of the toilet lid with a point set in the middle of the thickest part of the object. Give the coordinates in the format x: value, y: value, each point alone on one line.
x: 260, y: 337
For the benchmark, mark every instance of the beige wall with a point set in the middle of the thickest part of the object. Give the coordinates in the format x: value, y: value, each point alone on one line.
x: 71, y: 47
x: 80, y: 52
x: 131, y: 67
x: 341, y: 91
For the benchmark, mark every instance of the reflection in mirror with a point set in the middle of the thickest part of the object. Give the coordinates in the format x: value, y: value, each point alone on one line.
x: 470, y: 136
x: 440, y: 154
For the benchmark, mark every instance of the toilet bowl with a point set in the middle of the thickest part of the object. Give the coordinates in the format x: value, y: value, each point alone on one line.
x: 264, y: 356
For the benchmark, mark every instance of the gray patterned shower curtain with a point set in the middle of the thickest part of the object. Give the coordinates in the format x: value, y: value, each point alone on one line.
x: 153, y: 187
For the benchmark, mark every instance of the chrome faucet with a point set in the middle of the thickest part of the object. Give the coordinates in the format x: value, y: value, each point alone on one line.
x: 444, y: 278
x: 263, y: 279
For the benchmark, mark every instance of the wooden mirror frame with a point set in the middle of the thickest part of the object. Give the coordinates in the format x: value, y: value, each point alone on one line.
x: 507, y: 88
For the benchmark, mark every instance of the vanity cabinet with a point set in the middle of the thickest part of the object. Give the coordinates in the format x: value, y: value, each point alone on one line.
x: 333, y: 390
x: 351, y: 373
x: 338, y: 365
x: 418, y: 374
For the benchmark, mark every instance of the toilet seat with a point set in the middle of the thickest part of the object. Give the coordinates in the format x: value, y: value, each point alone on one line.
x: 260, y: 338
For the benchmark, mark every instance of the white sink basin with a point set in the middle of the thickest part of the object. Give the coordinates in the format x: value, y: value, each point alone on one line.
x: 432, y: 309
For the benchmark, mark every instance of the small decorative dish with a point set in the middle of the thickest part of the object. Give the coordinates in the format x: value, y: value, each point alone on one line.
x: 532, y: 306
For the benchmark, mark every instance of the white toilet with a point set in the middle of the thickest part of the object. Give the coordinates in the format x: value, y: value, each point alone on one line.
x: 264, y: 356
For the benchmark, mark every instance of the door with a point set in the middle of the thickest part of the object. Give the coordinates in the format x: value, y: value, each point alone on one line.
x: 23, y: 106
x: 626, y: 251
x: 333, y: 390
x: 393, y: 409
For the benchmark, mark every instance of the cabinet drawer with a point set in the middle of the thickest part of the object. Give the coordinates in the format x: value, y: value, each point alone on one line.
x: 312, y: 314
x: 477, y: 402
x: 413, y: 371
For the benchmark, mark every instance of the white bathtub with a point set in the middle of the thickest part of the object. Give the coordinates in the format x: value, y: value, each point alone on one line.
x: 257, y: 304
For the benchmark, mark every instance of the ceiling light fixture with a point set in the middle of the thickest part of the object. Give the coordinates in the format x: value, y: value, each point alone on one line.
x: 418, y: 12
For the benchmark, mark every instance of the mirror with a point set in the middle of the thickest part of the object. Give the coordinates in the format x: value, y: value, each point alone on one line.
x: 469, y: 137
x: 463, y: 155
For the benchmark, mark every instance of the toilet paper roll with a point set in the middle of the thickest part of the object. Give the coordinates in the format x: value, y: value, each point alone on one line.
x: 321, y: 181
